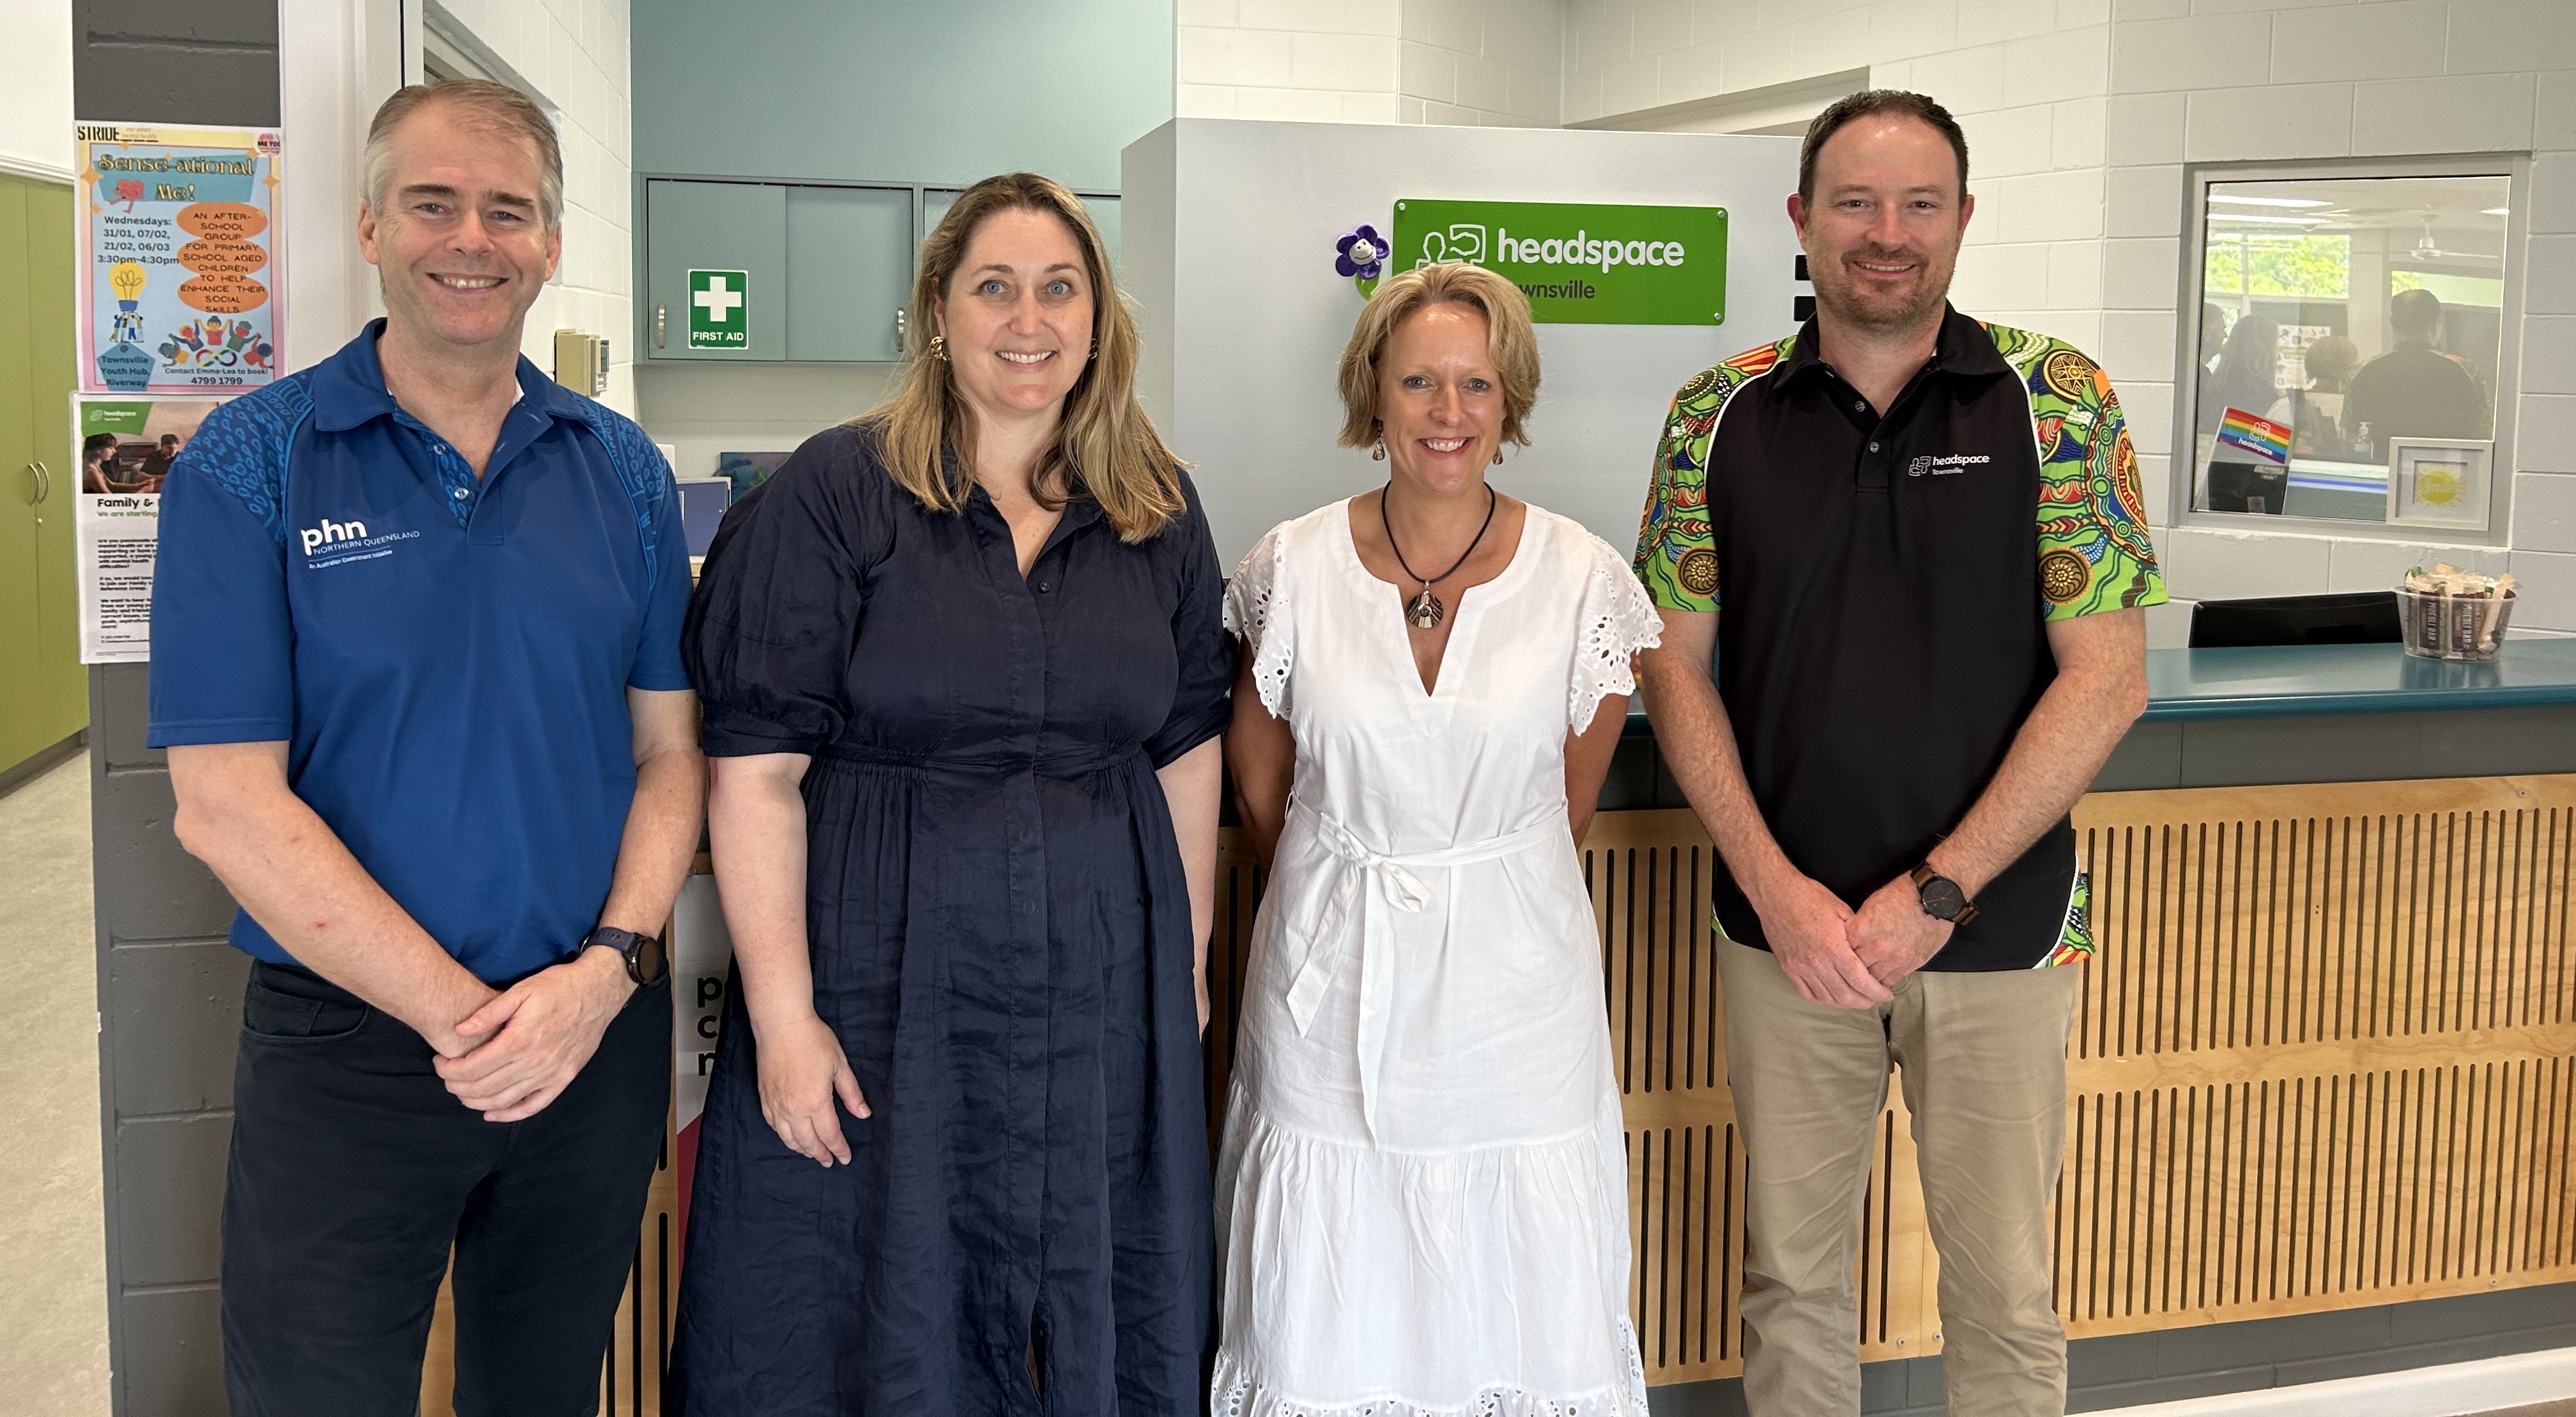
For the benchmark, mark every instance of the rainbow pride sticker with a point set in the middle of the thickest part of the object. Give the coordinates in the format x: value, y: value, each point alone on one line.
x: 2259, y: 436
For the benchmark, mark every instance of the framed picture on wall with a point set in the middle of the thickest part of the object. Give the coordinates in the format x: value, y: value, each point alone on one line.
x: 2440, y: 482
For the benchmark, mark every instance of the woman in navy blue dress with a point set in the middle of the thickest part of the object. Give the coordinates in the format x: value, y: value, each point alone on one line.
x: 963, y: 668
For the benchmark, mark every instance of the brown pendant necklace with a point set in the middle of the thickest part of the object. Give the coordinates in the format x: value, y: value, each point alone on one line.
x: 1425, y: 611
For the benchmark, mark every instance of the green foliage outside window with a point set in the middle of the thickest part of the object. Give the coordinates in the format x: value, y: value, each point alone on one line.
x: 2248, y: 264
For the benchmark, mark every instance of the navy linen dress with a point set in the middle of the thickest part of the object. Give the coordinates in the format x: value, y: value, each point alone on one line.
x: 1000, y: 935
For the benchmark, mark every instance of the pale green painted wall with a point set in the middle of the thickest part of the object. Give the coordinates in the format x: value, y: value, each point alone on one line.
x: 940, y: 91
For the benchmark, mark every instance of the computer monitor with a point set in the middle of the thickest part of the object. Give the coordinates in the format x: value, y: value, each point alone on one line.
x: 702, y: 507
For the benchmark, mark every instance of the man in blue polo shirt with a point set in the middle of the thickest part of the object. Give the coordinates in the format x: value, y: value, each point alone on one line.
x: 416, y: 662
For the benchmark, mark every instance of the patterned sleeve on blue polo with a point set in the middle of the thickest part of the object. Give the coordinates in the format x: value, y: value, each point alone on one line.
x: 222, y: 638
x: 657, y: 502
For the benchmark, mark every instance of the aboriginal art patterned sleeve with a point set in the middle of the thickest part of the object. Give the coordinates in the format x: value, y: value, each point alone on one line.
x: 2094, y: 554
x: 1676, y: 543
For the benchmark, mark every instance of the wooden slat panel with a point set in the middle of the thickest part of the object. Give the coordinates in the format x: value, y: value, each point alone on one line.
x: 2323, y: 1058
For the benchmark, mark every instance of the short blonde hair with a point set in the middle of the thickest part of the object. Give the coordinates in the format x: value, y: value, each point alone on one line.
x: 1508, y: 338
x: 498, y: 108
x: 1105, y: 446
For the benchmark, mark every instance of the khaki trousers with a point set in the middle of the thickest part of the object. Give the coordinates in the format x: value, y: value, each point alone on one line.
x: 1983, y: 1059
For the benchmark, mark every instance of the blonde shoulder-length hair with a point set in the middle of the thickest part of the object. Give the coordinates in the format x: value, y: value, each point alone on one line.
x: 1106, y: 448
x: 1509, y: 340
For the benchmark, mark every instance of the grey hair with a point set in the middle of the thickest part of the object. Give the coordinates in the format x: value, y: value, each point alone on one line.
x: 486, y: 104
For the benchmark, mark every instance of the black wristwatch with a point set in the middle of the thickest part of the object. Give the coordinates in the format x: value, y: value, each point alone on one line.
x: 1941, y: 897
x: 646, y: 960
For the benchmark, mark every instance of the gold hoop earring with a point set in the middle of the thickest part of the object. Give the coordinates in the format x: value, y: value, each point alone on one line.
x: 1095, y: 349
x: 1498, y: 457
x: 1378, y: 453
x: 938, y: 348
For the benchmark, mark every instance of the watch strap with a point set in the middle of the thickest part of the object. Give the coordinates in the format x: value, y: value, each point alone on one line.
x: 646, y: 959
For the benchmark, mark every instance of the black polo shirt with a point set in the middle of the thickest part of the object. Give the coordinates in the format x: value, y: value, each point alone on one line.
x: 1887, y: 582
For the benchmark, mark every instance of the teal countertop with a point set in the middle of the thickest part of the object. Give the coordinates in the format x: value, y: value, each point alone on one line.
x: 2314, y: 679
x: 2320, y: 679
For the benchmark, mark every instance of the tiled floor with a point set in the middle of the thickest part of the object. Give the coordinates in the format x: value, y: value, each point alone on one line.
x: 53, y: 1299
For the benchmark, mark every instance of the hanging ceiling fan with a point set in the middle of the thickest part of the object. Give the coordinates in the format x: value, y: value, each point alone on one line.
x: 2426, y: 250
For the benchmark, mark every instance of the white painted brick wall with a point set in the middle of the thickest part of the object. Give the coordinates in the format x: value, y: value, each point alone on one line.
x: 1468, y: 62
x: 1331, y: 61
x: 575, y: 53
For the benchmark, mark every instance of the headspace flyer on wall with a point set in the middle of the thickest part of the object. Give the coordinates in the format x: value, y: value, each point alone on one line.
x: 179, y: 258
x: 124, y: 450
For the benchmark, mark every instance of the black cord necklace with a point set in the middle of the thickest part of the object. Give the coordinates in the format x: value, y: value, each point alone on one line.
x: 1425, y: 610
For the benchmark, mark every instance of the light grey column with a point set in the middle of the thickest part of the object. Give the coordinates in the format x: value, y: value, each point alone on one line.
x: 169, y: 988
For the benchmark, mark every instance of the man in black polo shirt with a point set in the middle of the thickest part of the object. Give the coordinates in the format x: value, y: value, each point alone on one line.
x: 2416, y: 389
x: 1926, y: 535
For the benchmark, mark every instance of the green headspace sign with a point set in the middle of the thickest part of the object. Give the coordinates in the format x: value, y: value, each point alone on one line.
x: 719, y: 317
x: 103, y: 417
x: 1579, y: 263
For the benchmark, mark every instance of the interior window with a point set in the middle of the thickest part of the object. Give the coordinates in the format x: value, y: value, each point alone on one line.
x: 2349, y: 330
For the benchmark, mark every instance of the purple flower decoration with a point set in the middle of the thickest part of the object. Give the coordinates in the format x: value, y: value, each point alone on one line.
x: 1360, y: 253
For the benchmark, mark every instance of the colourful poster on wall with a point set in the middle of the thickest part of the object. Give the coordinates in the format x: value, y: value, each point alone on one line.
x: 124, y: 448
x: 179, y: 258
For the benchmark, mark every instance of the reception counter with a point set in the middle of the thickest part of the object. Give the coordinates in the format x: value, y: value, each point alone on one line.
x: 2326, y: 1057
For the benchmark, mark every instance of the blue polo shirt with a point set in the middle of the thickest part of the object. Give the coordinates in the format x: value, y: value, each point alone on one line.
x: 446, y: 657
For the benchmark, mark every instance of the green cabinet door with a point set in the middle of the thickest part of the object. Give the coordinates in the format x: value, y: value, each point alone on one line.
x: 734, y: 236
x: 65, y: 685
x: 22, y: 698
x: 849, y: 271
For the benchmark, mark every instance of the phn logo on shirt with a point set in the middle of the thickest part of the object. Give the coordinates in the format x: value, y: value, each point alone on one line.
x: 1947, y: 465
x: 339, y: 543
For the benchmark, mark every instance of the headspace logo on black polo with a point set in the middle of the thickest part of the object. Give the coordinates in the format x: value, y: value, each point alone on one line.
x: 1946, y: 465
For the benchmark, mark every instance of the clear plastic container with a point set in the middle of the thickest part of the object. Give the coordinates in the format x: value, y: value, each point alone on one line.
x: 2452, y: 626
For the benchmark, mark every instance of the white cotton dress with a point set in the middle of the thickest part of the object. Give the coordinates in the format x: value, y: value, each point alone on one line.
x: 1422, y: 1199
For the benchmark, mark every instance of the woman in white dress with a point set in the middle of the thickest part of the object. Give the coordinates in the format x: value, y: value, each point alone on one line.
x: 1422, y: 1196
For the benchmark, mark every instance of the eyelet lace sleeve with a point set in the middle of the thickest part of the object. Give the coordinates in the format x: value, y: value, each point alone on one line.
x: 1618, y: 620
x: 1255, y: 613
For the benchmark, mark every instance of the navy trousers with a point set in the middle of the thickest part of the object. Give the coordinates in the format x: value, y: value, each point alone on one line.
x: 354, y: 1172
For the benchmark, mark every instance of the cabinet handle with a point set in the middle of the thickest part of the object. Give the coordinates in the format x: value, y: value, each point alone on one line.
x: 44, y: 482
x: 661, y: 321
x: 899, y: 330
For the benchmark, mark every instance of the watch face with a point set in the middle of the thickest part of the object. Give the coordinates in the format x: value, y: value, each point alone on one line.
x: 651, y: 959
x: 1942, y: 899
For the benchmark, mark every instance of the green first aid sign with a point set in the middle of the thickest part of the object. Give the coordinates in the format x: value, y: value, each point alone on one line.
x: 719, y: 310
x: 1579, y: 263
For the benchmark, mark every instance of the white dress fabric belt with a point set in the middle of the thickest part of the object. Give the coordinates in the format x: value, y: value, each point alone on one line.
x: 1347, y: 921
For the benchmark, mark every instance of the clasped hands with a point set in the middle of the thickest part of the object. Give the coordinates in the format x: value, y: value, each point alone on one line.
x: 1843, y: 958
x: 517, y: 1053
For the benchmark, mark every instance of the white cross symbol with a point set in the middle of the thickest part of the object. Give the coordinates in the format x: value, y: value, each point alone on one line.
x: 717, y: 301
